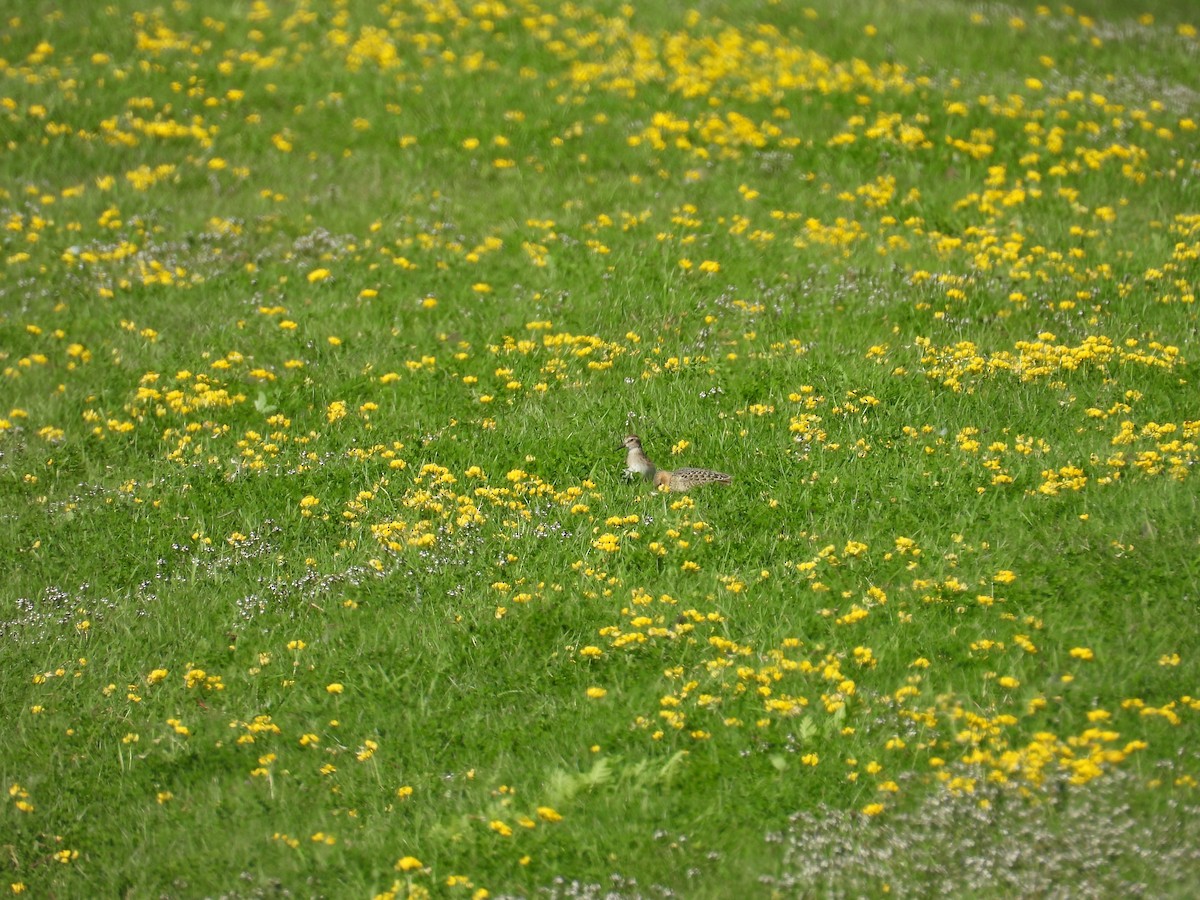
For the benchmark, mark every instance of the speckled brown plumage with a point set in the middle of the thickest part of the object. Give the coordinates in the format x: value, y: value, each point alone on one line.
x: 679, y: 481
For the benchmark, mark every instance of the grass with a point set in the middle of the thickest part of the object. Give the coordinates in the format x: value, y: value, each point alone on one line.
x: 320, y: 328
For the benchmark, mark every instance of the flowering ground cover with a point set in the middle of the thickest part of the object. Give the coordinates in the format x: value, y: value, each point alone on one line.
x: 320, y: 327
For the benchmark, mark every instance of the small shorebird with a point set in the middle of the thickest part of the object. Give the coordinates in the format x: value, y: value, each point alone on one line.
x: 637, y: 463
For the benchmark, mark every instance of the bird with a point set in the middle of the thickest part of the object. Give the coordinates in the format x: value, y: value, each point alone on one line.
x: 637, y: 463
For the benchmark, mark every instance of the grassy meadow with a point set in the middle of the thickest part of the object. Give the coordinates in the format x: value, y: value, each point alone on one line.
x: 320, y: 327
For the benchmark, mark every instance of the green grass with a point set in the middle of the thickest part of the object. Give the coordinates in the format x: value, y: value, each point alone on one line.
x: 320, y: 329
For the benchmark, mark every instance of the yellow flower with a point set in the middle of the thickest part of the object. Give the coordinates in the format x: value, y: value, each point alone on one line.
x: 596, y: 693
x: 609, y: 543
x: 408, y: 863
x: 366, y: 751
x: 335, y: 688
